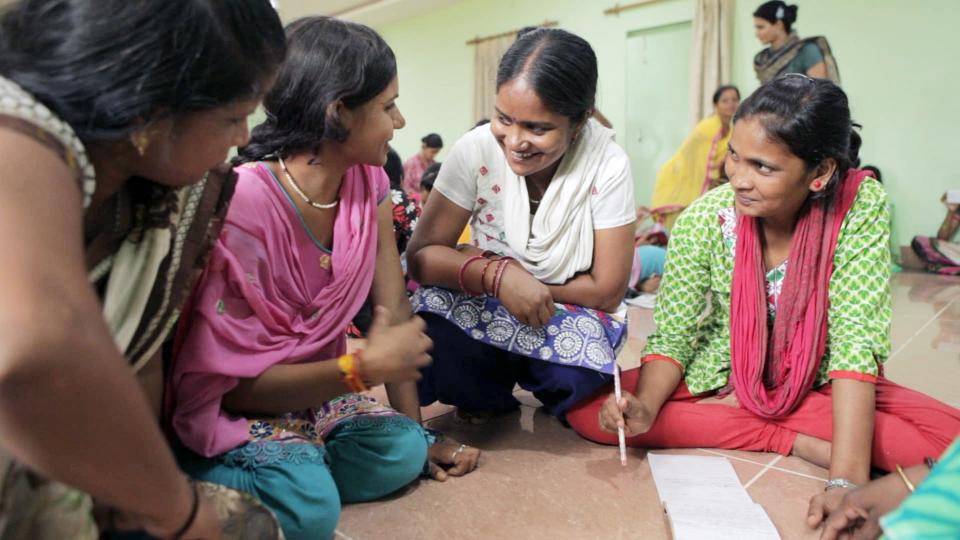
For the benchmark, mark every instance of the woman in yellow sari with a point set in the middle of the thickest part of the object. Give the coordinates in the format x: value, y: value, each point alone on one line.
x: 696, y: 167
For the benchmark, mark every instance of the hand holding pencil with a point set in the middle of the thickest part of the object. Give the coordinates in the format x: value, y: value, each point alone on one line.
x: 624, y: 410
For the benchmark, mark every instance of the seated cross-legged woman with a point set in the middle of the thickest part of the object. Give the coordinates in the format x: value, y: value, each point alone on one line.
x: 536, y: 300
x: 774, y: 310
x: 265, y: 398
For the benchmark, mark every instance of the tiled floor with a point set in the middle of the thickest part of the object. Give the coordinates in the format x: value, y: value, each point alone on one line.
x: 538, y: 479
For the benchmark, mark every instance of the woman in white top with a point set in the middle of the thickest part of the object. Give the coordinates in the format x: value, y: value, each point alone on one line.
x: 536, y: 300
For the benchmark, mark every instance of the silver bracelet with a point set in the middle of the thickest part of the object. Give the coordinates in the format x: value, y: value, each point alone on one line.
x: 839, y: 483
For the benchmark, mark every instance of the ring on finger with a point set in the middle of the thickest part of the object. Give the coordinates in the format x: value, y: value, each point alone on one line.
x: 457, y: 452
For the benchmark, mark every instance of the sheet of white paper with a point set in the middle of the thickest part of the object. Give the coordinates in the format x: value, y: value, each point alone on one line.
x: 721, y: 521
x: 705, y: 500
x: 686, y: 479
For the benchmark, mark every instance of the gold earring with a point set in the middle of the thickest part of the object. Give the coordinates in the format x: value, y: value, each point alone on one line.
x: 140, y: 141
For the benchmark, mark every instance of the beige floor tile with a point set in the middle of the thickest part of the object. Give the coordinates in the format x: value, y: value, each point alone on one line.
x: 930, y: 362
x: 786, y: 497
x: 757, y: 458
x: 641, y: 323
x: 537, y: 480
x: 630, y: 354
x: 426, y: 413
x: 802, y: 467
x: 540, y: 480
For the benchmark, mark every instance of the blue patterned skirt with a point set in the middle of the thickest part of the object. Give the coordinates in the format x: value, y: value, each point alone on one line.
x: 575, y: 336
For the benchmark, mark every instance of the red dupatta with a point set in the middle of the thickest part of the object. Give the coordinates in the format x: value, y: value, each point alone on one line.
x: 771, y: 381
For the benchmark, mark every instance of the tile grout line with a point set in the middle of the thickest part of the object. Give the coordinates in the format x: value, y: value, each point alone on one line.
x: 721, y: 454
x: 781, y: 469
x: 763, y: 470
x: 922, y: 328
x: 805, y: 475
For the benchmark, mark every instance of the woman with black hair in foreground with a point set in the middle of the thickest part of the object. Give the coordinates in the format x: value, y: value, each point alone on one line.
x: 111, y: 114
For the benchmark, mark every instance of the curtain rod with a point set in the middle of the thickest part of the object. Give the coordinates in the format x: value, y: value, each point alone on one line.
x: 617, y: 9
x: 479, y: 39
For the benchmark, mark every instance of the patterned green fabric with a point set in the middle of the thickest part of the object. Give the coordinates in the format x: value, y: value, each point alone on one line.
x: 933, y: 511
x: 693, y: 304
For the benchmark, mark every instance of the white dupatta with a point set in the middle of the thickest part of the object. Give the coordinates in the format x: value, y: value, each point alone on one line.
x: 558, y: 242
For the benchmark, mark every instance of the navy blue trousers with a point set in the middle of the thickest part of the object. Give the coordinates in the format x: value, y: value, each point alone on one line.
x: 475, y: 376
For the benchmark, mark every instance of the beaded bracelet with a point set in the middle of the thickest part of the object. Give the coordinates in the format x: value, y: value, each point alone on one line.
x: 463, y: 269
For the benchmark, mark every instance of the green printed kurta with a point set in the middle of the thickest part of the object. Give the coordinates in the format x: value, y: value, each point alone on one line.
x: 693, y: 304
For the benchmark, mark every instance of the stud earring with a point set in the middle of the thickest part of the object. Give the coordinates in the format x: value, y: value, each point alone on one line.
x: 817, y: 184
x: 141, y: 141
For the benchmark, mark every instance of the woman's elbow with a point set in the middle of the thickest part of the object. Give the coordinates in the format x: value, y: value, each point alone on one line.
x: 415, y: 262
x: 33, y: 356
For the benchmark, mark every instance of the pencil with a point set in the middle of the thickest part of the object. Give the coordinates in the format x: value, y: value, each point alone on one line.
x: 621, y: 438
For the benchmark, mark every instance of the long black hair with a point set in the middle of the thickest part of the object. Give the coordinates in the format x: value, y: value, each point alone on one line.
x: 811, y: 118
x: 106, y: 67
x: 560, y: 66
x: 778, y: 10
x: 330, y: 61
x: 394, y: 169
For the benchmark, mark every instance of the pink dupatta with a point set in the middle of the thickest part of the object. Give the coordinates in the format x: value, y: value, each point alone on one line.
x: 259, y: 303
x: 772, y: 381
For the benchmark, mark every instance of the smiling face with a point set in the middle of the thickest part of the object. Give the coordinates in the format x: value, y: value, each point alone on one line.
x: 769, y: 181
x: 371, y: 127
x: 532, y: 137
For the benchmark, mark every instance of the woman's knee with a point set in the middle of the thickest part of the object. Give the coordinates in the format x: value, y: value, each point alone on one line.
x: 295, y: 483
x: 369, y: 465
x: 312, y: 523
x: 410, y: 458
x: 584, y: 418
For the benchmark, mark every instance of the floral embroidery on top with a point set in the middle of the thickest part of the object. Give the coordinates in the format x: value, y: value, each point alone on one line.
x: 774, y: 278
x: 314, y: 425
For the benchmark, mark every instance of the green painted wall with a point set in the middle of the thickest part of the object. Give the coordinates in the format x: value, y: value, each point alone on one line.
x: 898, y: 62
x: 436, y: 66
x: 896, y: 57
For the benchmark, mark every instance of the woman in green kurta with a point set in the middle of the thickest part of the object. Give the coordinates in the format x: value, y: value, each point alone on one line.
x: 774, y: 309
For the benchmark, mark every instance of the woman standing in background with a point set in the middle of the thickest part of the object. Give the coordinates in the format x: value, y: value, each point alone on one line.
x: 787, y: 53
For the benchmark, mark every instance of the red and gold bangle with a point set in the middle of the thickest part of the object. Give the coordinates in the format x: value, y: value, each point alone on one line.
x: 463, y: 270
x: 483, y: 275
x: 498, y: 277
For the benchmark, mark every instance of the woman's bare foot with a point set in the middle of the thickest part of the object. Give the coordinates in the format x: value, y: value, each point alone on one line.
x: 812, y: 449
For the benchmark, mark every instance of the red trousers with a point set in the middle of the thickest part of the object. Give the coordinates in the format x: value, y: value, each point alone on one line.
x: 909, y: 425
